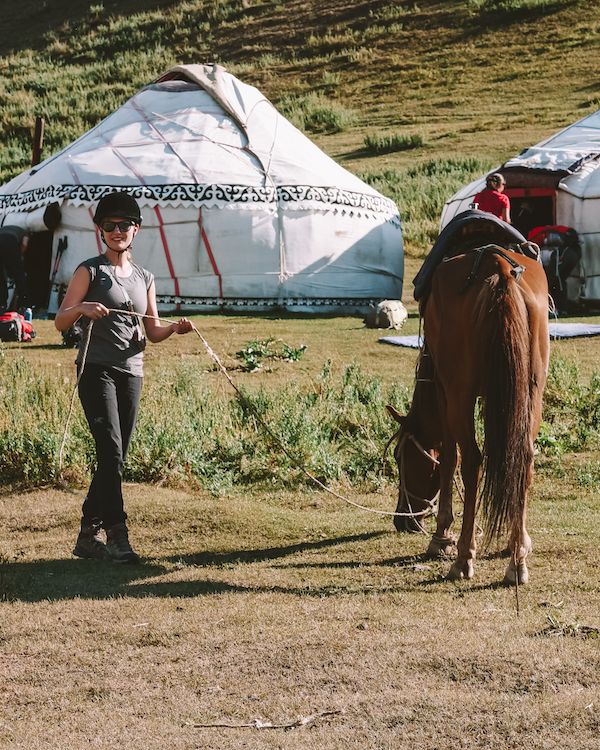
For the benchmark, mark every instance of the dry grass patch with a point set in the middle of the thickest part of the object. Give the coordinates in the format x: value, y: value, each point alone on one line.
x: 274, y: 606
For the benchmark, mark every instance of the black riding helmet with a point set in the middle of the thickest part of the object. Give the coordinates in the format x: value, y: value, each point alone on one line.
x: 118, y: 204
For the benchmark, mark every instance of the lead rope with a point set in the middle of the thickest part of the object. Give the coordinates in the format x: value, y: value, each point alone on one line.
x: 61, y: 481
x: 243, y: 398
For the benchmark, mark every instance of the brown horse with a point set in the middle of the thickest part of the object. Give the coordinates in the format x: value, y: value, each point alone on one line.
x: 486, y: 335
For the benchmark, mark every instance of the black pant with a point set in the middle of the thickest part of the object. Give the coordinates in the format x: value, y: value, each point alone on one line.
x: 110, y: 400
x: 11, y: 264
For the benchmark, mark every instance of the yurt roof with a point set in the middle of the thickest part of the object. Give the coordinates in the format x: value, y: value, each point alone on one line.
x: 572, y: 155
x: 199, y: 136
x: 573, y: 152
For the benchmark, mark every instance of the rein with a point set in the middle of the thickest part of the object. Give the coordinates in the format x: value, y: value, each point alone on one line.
x: 402, y: 437
x: 405, y: 493
x: 244, y: 399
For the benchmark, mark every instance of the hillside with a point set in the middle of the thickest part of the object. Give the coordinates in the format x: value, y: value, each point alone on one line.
x: 473, y: 82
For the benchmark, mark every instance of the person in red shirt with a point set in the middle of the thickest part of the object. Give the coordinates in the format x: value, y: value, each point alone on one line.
x: 492, y: 198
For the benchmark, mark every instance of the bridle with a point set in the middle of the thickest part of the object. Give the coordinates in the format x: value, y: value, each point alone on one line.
x: 430, y: 505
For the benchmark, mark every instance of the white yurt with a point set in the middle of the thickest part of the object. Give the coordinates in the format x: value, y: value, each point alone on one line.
x: 556, y: 182
x: 240, y: 209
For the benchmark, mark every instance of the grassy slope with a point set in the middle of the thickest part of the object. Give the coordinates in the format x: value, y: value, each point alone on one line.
x: 470, y: 81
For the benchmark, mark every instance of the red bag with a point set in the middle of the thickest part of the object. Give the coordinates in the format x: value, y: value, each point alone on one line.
x: 14, y: 327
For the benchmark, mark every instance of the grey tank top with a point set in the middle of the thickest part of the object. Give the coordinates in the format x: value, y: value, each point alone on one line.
x: 116, y: 340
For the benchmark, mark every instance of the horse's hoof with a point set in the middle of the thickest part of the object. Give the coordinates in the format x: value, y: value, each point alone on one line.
x: 516, y: 574
x: 461, y: 570
x: 443, y: 548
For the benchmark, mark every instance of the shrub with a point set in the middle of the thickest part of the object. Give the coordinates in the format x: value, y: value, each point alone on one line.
x: 571, y: 410
x: 255, y: 353
x: 384, y: 144
x: 334, y: 427
x: 314, y: 113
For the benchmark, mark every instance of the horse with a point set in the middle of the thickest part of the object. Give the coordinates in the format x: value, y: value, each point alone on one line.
x: 485, y: 323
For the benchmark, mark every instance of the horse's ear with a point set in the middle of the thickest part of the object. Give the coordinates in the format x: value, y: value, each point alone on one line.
x: 395, y: 414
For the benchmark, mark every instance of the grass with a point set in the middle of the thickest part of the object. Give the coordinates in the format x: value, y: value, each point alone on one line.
x: 314, y: 113
x: 269, y: 600
x: 518, y: 8
x: 272, y: 601
x: 274, y: 606
x: 385, y: 144
x: 328, y: 416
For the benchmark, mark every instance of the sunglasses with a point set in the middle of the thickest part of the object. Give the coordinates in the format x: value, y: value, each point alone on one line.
x: 124, y: 226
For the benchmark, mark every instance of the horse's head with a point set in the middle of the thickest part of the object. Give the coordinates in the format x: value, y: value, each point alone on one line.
x: 418, y: 470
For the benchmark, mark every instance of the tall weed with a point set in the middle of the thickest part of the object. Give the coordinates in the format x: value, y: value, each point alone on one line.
x: 385, y: 144
x: 571, y: 416
x: 336, y: 427
x: 33, y: 408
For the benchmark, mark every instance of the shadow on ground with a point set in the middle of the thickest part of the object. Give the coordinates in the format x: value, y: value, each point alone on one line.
x: 56, y: 580
x: 203, y: 559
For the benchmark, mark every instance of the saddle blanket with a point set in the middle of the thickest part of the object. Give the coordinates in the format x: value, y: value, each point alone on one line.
x: 557, y: 331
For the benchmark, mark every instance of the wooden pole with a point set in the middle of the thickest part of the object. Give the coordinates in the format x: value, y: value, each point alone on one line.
x: 38, y: 141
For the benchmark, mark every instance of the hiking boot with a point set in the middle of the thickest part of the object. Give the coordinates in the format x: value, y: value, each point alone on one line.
x: 89, y: 544
x: 117, y: 544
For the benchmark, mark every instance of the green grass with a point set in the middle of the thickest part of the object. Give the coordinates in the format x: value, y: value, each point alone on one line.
x: 313, y: 113
x: 385, y: 144
x: 304, y: 406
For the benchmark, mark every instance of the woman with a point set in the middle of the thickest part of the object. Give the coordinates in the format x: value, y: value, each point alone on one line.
x: 492, y: 199
x: 111, y: 381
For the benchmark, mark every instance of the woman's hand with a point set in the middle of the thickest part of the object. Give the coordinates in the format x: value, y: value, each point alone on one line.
x: 183, y: 325
x: 155, y: 331
x: 92, y: 310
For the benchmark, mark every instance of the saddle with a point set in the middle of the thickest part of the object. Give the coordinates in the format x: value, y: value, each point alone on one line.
x: 471, y: 230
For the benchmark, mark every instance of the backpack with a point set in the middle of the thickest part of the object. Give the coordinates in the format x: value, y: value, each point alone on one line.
x: 14, y: 327
x: 73, y: 335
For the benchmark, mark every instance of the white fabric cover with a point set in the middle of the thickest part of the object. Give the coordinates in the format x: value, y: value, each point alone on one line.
x: 238, y: 205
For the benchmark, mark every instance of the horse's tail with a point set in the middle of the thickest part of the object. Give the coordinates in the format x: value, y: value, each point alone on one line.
x: 508, y: 450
